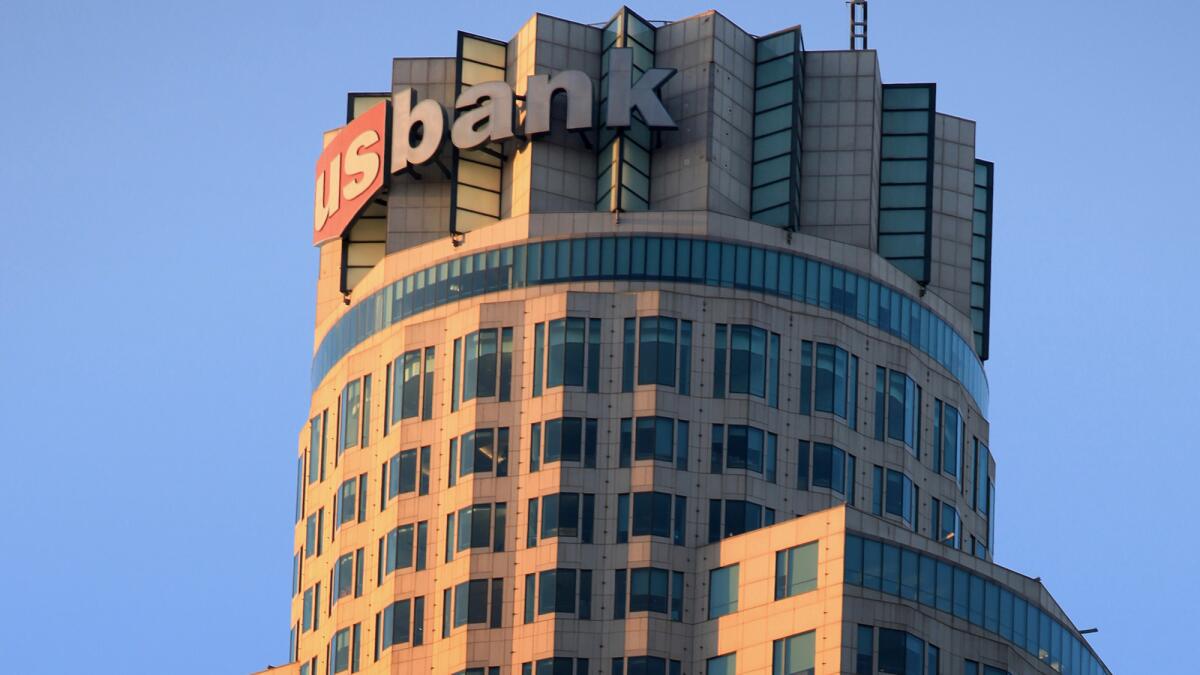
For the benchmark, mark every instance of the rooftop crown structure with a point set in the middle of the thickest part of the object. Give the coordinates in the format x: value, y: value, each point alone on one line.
x: 654, y: 349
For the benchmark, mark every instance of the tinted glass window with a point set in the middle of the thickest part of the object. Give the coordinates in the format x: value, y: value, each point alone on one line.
x: 795, y: 570
x: 722, y: 591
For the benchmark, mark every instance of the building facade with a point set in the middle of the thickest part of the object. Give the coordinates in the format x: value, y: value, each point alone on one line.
x: 654, y: 348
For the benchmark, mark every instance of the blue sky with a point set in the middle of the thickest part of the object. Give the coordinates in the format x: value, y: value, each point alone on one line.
x: 157, y: 279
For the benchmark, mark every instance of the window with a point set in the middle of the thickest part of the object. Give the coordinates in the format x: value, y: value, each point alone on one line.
x: 648, y: 590
x: 628, y: 354
x: 946, y: 524
x: 320, y: 530
x: 486, y: 364
x: 981, y: 247
x: 795, y: 655
x: 558, y: 665
x: 722, y: 591
x: 567, y: 351
x: 645, y: 665
x: 739, y: 517
x: 877, y: 490
x: 427, y: 385
x: 655, y: 438
x: 396, y: 548
x: 901, y: 397
x: 991, y: 608
x: 562, y: 591
x: 851, y: 478
x: 400, y: 474
x: 566, y: 439
x: 299, y: 512
x: 980, y: 492
x: 747, y: 361
x: 864, y: 657
x: 343, y: 576
x: 901, y: 496
x: 619, y: 593
x: 339, y: 651
x: 900, y: 653
x: 307, y: 607
x: 395, y: 626
x: 652, y: 516
x: 829, y: 467
x: 832, y: 386
x: 662, y: 349
x: 566, y: 514
x: 725, y: 664
x: 830, y: 393
x: 346, y: 503
x: 471, y: 602
x: 531, y: 523
x: 312, y: 537
x: 804, y: 459
x: 890, y: 570
x: 656, y: 351
x: 753, y: 362
x: 479, y: 451
x: 344, y: 649
x: 316, y: 448
x: 906, y: 177
x: 795, y: 570
x: 410, y: 374
x: 851, y: 392
x: 910, y: 572
x: 744, y: 447
x: 651, y: 589
x: 948, y: 433
x: 778, y: 76
x: 622, y: 518
x: 475, y: 525
x: 530, y: 597
x: 354, y: 421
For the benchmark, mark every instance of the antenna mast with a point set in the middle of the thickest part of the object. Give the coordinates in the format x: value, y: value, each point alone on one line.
x: 858, y: 24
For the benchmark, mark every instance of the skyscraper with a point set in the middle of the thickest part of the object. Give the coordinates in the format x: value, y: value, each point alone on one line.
x: 655, y: 348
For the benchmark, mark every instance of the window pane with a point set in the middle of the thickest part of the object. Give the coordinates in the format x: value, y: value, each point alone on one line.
x: 795, y: 655
x: 486, y: 371
x: 574, y: 352
x: 556, y: 352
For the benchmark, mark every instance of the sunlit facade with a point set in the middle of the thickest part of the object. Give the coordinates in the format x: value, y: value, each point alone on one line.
x: 659, y: 399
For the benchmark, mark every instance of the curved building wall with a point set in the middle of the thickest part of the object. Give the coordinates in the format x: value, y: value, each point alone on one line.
x: 812, y: 453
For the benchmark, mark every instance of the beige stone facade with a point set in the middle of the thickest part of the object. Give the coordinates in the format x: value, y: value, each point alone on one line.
x: 800, y: 389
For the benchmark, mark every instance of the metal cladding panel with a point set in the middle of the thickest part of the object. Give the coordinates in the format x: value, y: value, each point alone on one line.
x: 475, y: 187
x: 778, y: 120
x: 981, y: 255
x: 623, y: 158
x: 906, y: 177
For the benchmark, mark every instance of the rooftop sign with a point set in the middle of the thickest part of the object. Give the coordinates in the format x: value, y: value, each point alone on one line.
x: 350, y: 172
x: 350, y: 169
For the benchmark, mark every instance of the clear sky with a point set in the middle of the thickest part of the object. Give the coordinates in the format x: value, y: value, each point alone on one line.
x: 157, y: 281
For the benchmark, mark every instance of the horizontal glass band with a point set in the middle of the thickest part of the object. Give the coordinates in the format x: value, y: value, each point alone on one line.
x: 698, y: 261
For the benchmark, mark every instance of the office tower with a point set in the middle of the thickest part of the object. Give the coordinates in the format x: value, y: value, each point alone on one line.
x: 655, y: 348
